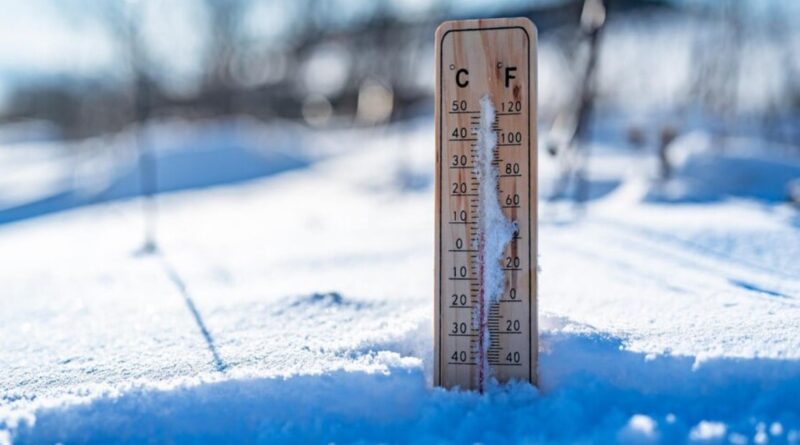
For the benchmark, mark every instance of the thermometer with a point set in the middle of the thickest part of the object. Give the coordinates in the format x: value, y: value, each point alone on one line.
x: 485, y: 274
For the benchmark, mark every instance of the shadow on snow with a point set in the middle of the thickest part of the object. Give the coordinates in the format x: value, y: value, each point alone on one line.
x: 213, y: 157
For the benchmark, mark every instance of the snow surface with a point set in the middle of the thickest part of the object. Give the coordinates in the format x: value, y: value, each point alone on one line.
x: 297, y: 308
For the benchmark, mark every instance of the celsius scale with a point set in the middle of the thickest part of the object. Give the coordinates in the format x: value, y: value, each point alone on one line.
x: 485, y: 328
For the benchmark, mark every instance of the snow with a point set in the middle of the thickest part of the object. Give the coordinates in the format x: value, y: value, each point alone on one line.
x: 296, y: 308
x: 706, y: 431
x: 58, y: 176
x: 495, y: 232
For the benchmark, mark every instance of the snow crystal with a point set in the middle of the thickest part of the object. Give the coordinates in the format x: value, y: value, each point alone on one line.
x: 706, y: 430
x: 761, y: 435
x: 640, y: 428
x: 642, y: 424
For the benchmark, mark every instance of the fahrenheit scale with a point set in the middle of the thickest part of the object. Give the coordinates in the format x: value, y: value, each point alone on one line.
x: 477, y: 342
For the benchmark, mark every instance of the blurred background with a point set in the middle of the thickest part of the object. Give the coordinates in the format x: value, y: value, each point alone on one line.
x: 103, y: 100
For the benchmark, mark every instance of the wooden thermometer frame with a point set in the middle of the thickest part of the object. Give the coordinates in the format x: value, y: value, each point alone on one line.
x: 475, y: 58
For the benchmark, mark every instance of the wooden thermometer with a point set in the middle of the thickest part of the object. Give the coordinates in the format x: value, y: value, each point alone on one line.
x: 485, y: 325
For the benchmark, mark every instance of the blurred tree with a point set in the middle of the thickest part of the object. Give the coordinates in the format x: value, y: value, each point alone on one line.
x: 575, y: 149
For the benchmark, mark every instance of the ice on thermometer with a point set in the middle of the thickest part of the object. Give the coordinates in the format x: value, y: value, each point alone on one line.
x: 494, y: 233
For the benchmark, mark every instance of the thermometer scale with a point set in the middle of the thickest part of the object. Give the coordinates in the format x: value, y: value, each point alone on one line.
x: 485, y: 330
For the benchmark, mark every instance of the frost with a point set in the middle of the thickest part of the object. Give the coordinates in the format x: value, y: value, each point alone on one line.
x: 494, y: 228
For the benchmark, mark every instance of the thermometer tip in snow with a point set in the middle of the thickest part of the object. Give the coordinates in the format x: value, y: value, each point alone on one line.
x: 485, y: 283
